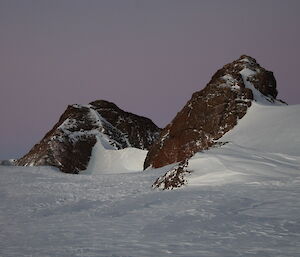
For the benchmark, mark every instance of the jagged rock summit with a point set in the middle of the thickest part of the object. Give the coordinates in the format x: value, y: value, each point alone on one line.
x: 213, y: 111
x: 68, y: 145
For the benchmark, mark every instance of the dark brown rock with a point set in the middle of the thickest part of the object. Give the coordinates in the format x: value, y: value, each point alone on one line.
x: 141, y: 132
x: 68, y: 145
x: 174, y: 178
x: 213, y: 111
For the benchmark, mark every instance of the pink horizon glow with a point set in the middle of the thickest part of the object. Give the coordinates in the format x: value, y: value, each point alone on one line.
x: 148, y: 57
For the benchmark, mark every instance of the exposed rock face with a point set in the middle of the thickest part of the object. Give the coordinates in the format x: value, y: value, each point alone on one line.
x: 68, y: 145
x: 174, y: 178
x: 213, y: 111
x: 140, y: 132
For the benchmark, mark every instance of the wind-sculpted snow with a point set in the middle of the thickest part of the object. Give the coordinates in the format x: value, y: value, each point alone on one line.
x: 237, y: 199
x: 105, y: 161
x: 237, y: 203
x: 240, y: 199
x: 268, y: 128
x: 267, y: 135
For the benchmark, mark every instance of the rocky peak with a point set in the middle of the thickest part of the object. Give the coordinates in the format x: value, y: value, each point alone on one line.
x: 141, y: 132
x: 103, y: 104
x: 68, y: 145
x: 250, y: 73
x: 213, y: 111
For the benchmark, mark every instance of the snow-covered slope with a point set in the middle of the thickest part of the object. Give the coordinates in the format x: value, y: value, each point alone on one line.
x: 264, y: 144
x: 268, y: 128
x: 48, y: 213
x: 236, y: 164
x: 241, y: 200
x: 105, y: 160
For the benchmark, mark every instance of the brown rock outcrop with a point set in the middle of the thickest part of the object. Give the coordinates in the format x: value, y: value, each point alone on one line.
x: 174, y: 178
x: 213, y: 111
x: 68, y: 145
x: 140, y: 132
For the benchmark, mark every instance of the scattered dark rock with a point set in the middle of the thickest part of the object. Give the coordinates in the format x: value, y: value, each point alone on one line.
x: 174, y: 178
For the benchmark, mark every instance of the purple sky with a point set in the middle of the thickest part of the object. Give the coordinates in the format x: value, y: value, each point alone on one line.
x: 146, y: 56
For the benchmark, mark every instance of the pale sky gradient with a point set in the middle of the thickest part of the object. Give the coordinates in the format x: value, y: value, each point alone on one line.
x: 146, y: 56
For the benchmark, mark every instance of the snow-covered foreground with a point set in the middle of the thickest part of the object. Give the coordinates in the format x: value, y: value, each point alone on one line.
x: 47, y: 213
x: 242, y: 199
x: 109, y: 161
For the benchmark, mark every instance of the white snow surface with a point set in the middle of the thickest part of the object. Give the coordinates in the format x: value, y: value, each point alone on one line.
x: 268, y: 128
x: 242, y: 199
x: 105, y: 160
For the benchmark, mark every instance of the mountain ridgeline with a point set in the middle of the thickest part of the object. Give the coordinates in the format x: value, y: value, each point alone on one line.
x: 68, y: 145
x: 206, y: 117
x: 213, y: 111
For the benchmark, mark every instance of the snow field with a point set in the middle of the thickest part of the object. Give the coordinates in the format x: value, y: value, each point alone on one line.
x: 47, y: 213
x: 241, y: 200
